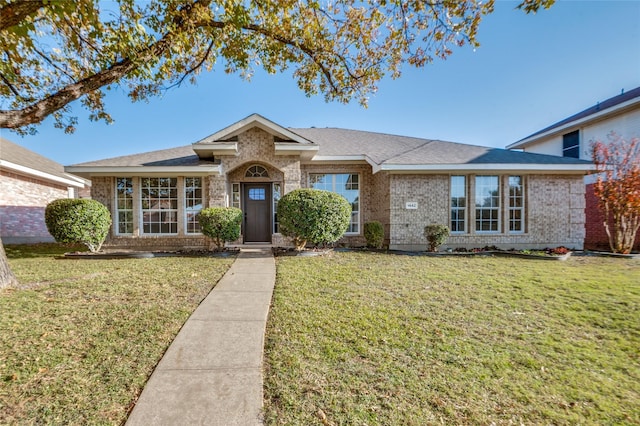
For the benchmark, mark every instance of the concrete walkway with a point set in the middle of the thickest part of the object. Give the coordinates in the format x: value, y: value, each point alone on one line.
x: 212, y: 372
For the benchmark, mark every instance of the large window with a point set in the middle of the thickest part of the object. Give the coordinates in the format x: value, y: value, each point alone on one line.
x: 124, y: 206
x: 487, y: 204
x: 516, y: 204
x: 458, y: 203
x: 571, y: 144
x: 159, y: 200
x: 192, y: 203
x: 347, y: 185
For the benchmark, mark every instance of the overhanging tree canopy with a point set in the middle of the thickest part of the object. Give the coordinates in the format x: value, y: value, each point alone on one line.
x: 57, y: 51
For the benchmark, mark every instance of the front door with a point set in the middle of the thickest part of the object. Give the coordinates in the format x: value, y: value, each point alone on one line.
x: 257, y: 212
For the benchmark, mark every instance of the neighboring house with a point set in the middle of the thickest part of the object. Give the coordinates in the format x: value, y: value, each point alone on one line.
x: 572, y: 138
x: 28, y: 182
x: 487, y: 196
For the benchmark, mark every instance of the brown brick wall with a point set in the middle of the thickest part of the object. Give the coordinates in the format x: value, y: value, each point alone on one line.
x: 22, y: 203
x: 555, y: 213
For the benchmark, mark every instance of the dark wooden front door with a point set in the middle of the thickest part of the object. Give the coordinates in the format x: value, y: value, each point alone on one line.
x: 257, y: 212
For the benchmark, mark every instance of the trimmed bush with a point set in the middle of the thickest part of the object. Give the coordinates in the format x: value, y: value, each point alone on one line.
x: 73, y: 220
x: 374, y: 234
x: 436, y: 235
x: 313, y: 216
x: 222, y: 224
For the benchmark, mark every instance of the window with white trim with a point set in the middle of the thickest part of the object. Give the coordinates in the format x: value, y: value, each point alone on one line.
x: 516, y: 204
x: 277, y: 193
x: 192, y: 203
x: 345, y: 184
x: 159, y: 205
x: 487, y: 204
x: 571, y: 144
x: 235, y: 195
x: 458, y: 203
x: 124, y: 206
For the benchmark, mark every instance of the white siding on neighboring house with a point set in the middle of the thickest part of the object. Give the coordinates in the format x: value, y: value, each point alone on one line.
x: 627, y: 126
x: 552, y: 146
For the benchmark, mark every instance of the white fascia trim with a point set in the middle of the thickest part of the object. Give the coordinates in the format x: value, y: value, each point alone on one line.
x: 577, y: 123
x: 144, y: 170
x: 305, y: 151
x: 73, y: 181
x: 287, y: 147
x: 330, y: 158
x: 426, y: 168
x: 217, y: 148
x: 254, y: 120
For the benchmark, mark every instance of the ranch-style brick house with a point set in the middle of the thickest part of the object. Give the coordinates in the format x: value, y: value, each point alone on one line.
x: 487, y: 196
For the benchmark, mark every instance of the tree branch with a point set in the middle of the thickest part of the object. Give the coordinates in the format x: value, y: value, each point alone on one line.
x: 13, y: 13
x: 38, y: 111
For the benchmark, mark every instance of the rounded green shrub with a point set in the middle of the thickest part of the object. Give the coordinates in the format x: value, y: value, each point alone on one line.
x: 221, y: 224
x: 374, y: 234
x: 436, y: 235
x: 313, y: 216
x: 73, y: 220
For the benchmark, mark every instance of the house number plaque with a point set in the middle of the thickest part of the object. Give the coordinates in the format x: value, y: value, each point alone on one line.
x: 411, y: 205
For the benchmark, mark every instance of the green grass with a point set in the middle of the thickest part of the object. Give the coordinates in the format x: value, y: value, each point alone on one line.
x: 378, y: 339
x: 81, y: 337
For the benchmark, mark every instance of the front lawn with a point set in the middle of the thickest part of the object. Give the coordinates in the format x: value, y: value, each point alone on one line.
x: 379, y: 339
x: 79, y: 341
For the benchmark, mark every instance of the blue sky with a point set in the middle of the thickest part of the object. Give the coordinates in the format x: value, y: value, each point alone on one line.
x: 531, y: 71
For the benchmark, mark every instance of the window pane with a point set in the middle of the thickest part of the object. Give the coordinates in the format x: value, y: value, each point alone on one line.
x: 159, y: 198
x: 193, y: 204
x: 345, y: 184
x: 571, y: 144
x: 257, y: 194
x: 458, y: 203
x: 487, y: 203
x: 516, y: 204
x: 124, y: 205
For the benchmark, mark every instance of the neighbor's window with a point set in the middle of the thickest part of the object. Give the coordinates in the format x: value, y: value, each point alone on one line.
x: 487, y: 204
x: 345, y: 184
x: 192, y: 203
x: 124, y: 205
x: 516, y: 204
x: 458, y: 203
x: 571, y: 144
x: 159, y: 200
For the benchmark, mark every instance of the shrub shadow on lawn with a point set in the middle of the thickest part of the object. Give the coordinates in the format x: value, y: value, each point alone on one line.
x: 30, y: 251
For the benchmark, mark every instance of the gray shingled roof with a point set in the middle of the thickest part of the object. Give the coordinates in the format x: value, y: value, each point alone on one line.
x: 21, y: 156
x: 379, y: 148
x: 395, y: 150
x: 179, y: 156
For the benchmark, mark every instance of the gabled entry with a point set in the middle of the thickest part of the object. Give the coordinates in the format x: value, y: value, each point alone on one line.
x: 257, y: 212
